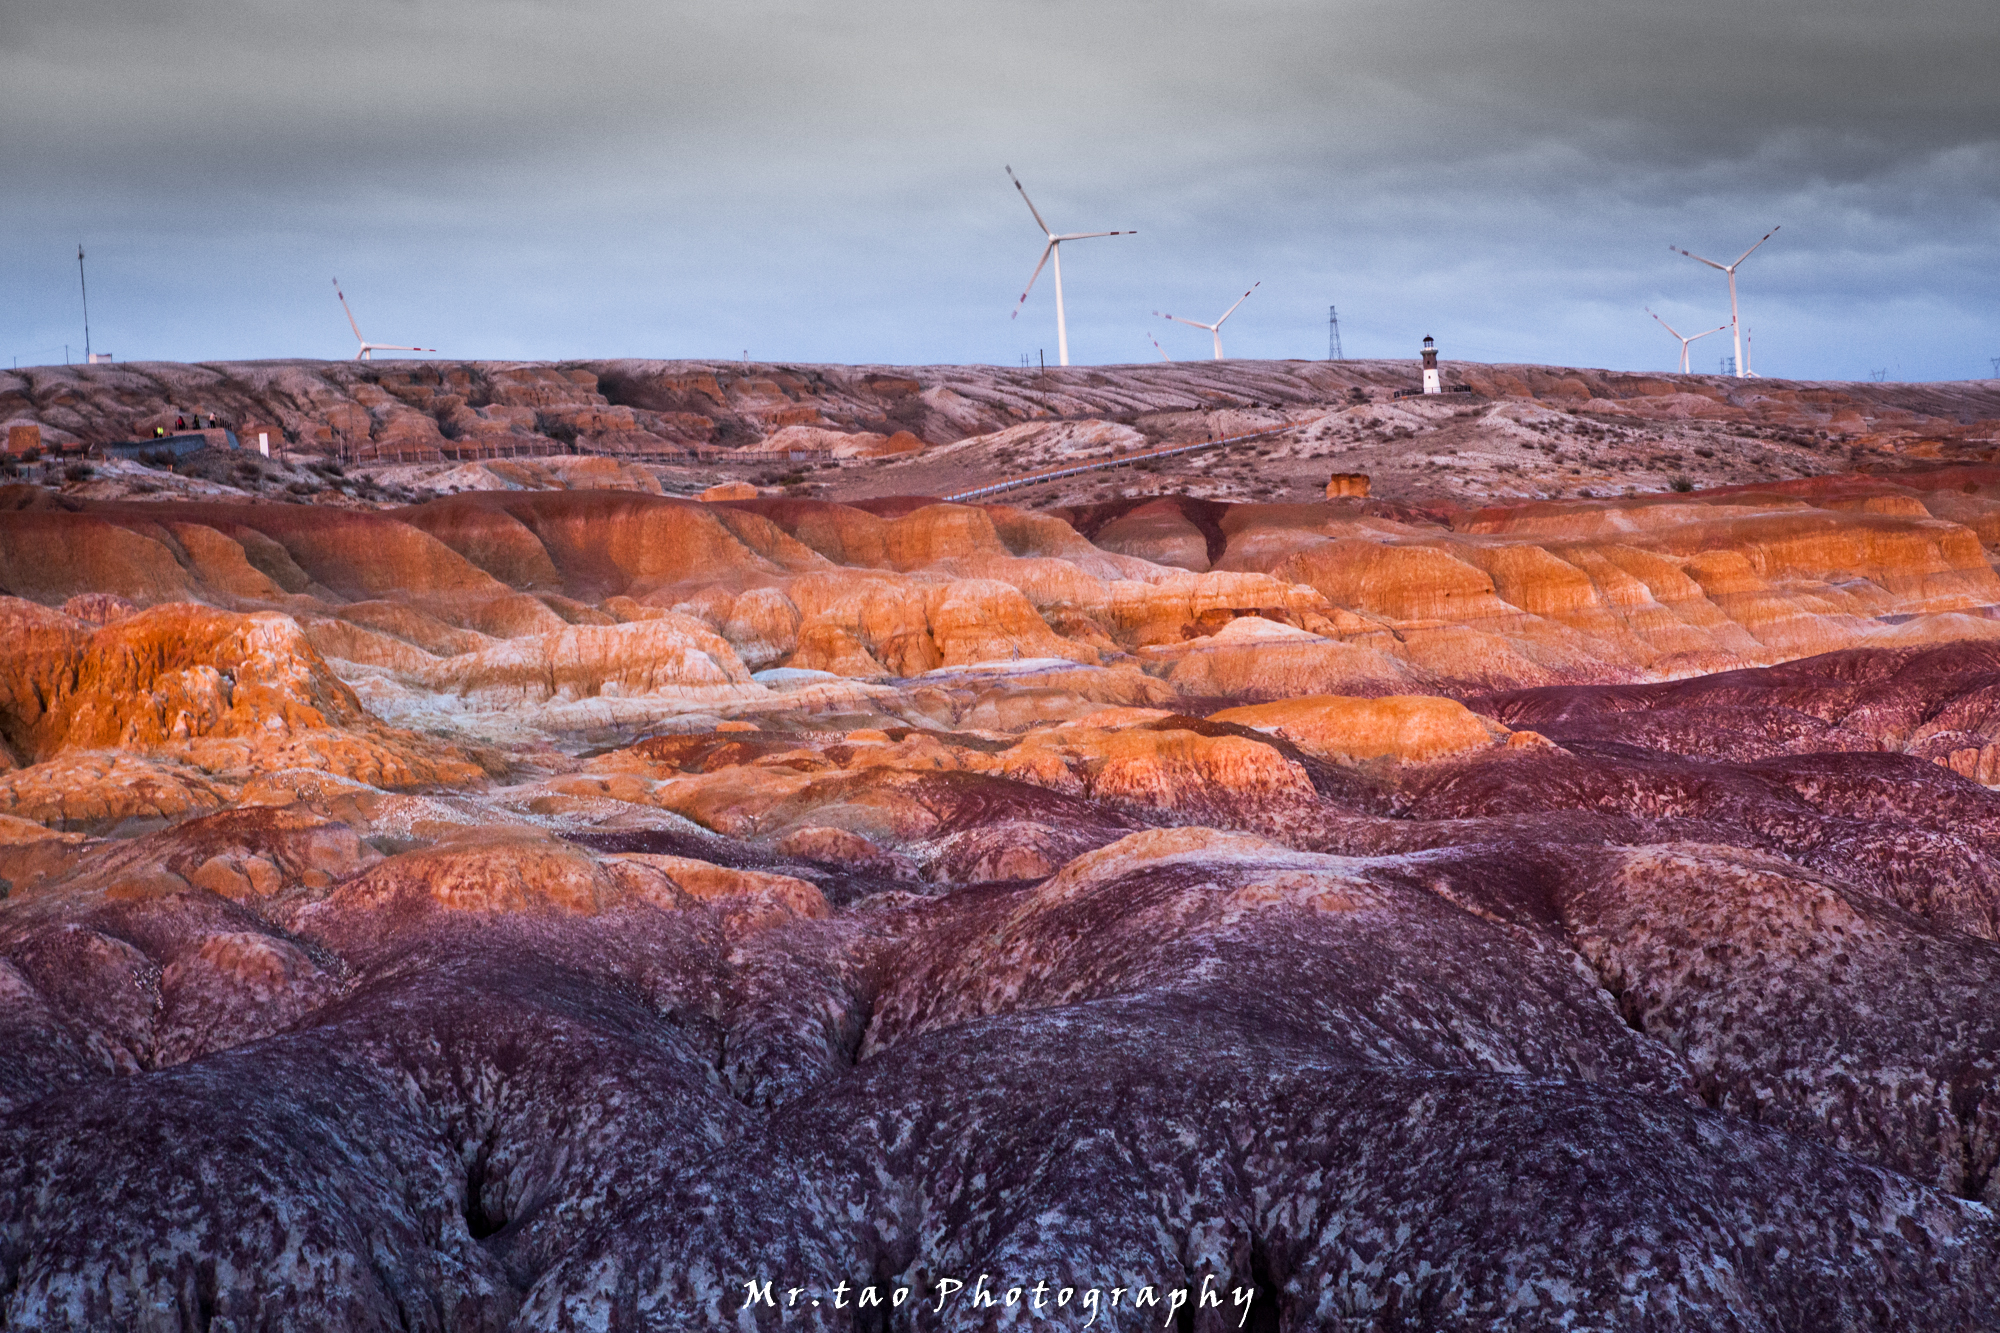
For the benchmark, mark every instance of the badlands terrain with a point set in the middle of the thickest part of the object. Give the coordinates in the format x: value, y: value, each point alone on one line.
x: 458, y: 878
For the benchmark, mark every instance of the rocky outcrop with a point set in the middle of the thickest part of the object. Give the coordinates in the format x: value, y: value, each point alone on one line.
x: 1410, y: 728
x: 165, y: 712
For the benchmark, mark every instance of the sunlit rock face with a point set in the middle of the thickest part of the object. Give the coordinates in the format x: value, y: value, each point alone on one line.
x: 576, y: 907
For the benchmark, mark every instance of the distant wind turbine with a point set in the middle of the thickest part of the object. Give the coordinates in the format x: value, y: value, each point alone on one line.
x: 1053, y: 248
x: 368, y: 349
x: 1156, y: 347
x: 1686, y: 341
x: 1742, y: 370
x: 1215, y: 328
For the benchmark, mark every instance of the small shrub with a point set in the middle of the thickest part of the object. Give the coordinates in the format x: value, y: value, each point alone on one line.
x: 79, y: 472
x: 1681, y: 484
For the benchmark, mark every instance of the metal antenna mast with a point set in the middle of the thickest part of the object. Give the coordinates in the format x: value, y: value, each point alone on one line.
x: 1333, y: 335
x: 86, y: 302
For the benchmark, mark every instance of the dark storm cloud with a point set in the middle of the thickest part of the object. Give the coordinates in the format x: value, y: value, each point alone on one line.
x: 822, y: 181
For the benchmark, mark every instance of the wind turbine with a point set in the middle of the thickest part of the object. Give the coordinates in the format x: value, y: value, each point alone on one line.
x: 1685, y: 340
x: 1215, y: 328
x: 1730, y: 269
x: 1156, y: 347
x: 1054, y: 247
x: 368, y: 349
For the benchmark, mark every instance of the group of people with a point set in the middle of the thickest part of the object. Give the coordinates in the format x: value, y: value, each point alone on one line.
x: 181, y: 424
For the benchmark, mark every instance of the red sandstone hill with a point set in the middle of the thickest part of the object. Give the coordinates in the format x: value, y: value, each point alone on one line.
x: 558, y: 908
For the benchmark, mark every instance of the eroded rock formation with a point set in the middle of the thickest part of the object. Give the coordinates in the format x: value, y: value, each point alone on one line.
x: 575, y: 908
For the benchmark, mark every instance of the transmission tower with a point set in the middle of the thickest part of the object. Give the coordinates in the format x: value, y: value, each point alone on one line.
x: 1333, y: 338
x: 1728, y: 365
x: 1996, y: 367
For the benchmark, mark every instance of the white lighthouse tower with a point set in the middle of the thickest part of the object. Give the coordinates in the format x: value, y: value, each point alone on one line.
x: 1431, y: 382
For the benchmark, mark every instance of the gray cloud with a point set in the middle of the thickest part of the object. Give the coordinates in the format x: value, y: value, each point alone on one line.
x: 823, y: 182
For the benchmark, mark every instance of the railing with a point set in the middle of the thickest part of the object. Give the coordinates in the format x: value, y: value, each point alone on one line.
x: 349, y: 450
x: 1426, y: 393
x: 178, y: 445
x: 1122, y: 460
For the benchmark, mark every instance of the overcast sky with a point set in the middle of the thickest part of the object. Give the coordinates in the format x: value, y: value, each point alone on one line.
x: 824, y: 182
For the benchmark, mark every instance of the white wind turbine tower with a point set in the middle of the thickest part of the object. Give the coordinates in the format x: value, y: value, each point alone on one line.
x: 1730, y: 269
x: 368, y: 349
x: 1054, y: 247
x: 1215, y: 328
x: 1686, y: 340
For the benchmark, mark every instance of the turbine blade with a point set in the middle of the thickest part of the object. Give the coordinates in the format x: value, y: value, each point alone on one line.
x: 1156, y: 345
x: 1086, y: 235
x: 1191, y: 323
x: 1047, y: 250
x: 1663, y: 324
x: 350, y: 311
x: 1031, y: 205
x: 1746, y: 254
x: 1720, y: 268
x: 1239, y: 301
